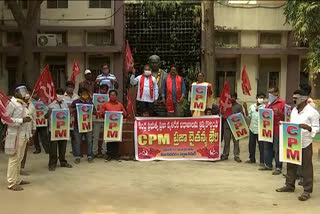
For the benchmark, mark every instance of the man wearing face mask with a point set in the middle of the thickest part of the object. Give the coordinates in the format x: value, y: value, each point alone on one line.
x: 88, y: 83
x: 253, y: 135
x: 277, y: 105
x: 41, y: 132
x: 236, y: 108
x: 107, y: 78
x: 308, y: 119
x: 18, y: 134
x: 61, y: 144
x: 147, y: 90
x: 173, y: 92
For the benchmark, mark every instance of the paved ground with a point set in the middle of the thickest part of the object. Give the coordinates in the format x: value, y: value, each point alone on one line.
x: 132, y: 187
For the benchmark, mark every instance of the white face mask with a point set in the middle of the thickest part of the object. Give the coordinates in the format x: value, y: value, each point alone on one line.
x: 59, y: 98
x: 260, y: 100
x: 147, y: 72
x: 301, y: 99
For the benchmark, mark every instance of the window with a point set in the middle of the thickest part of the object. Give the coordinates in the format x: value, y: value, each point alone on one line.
x: 270, y: 38
x: 95, y: 63
x: 227, y: 39
x: 226, y: 68
x: 269, y: 74
x: 57, y: 67
x: 14, y: 39
x: 99, y: 3
x: 57, y: 3
x: 99, y: 38
x: 12, y: 67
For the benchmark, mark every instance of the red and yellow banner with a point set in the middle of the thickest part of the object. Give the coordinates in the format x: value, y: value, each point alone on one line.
x: 177, y: 138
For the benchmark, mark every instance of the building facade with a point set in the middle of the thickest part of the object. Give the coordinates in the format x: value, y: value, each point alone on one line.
x: 257, y: 36
x: 90, y: 31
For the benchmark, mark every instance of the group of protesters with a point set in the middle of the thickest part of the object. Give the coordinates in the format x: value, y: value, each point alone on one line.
x: 158, y: 94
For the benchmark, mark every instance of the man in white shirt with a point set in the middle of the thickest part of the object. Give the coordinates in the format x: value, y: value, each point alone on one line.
x: 18, y: 134
x: 148, y: 92
x: 69, y: 96
x: 308, y: 119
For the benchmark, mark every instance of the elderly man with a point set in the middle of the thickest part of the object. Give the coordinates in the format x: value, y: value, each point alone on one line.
x: 160, y: 75
x: 18, y: 134
x: 107, y: 78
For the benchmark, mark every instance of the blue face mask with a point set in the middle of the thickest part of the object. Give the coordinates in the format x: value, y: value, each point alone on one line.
x: 272, y: 98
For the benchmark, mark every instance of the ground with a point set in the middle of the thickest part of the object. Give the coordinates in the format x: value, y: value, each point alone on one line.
x: 132, y: 187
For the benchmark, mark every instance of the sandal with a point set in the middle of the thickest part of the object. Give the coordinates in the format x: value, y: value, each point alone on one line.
x: 24, y: 182
x: 304, y: 196
x: 15, y: 188
x: 285, y: 189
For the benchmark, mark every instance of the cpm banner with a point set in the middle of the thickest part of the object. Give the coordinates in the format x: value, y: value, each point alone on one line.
x: 198, y: 97
x: 60, y: 124
x: 98, y: 101
x: 265, y: 125
x: 113, y: 126
x: 290, y: 143
x: 84, y: 115
x: 196, y: 138
x: 238, y: 126
x: 287, y: 113
x: 41, y: 111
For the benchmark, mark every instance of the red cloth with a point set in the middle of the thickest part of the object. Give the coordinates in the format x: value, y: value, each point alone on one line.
x: 278, y: 104
x: 129, y: 63
x: 150, y: 86
x: 45, y: 87
x: 4, y: 101
x: 225, y: 103
x: 75, y: 71
x: 246, y: 86
x: 109, y: 106
x: 130, y: 109
x: 170, y: 104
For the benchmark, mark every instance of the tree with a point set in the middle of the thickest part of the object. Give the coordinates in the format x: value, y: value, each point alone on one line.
x: 304, y: 16
x: 28, y: 24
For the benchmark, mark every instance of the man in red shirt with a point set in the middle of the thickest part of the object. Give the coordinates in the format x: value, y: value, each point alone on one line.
x: 113, y: 105
x: 277, y: 105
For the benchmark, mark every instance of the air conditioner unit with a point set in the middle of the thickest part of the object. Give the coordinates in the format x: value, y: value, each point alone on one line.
x: 46, y: 40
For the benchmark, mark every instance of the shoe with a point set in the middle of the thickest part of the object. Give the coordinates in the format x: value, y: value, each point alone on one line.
x: 77, y: 161
x: 37, y: 152
x: 51, y: 168
x: 237, y: 159
x: 265, y: 169
x: 24, y: 182
x: 285, y: 189
x: 277, y: 172
x: 250, y: 161
x: 90, y: 159
x: 107, y: 159
x: 66, y: 165
x: 261, y: 164
x: 223, y: 157
x: 16, y: 188
x: 118, y: 159
x: 22, y: 172
x: 304, y: 196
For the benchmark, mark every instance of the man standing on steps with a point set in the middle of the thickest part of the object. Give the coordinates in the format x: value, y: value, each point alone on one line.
x: 160, y: 75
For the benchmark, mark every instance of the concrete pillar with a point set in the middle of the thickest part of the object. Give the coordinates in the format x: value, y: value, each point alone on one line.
x: 293, y: 76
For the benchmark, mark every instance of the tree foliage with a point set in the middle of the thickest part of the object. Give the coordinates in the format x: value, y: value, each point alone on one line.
x: 304, y: 16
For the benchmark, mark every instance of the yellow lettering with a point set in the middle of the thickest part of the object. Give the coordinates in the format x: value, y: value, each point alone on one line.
x: 152, y: 137
x: 164, y: 139
x: 142, y: 140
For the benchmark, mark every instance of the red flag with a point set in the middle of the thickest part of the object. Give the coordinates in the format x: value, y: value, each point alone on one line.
x: 129, y: 64
x: 45, y: 87
x: 246, y: 86
x: 75, y: 71
x: 225, y: 103
x: 130, y: 109
x: 4, y: 101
